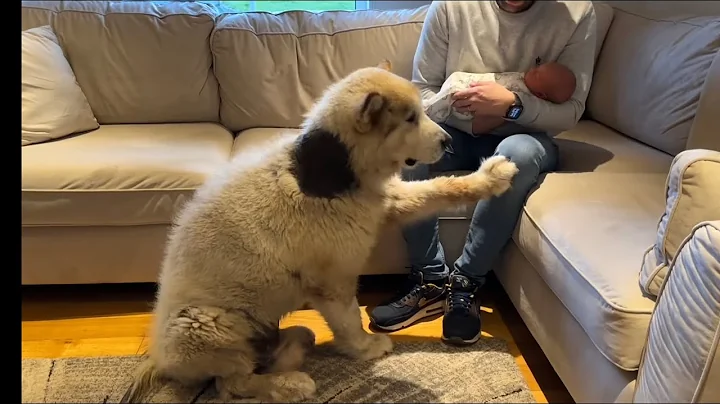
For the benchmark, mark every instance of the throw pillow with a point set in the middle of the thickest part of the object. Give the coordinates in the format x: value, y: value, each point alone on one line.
x: 53, y: 105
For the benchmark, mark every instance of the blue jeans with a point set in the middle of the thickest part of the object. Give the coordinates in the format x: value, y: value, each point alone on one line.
x: 494, y: 220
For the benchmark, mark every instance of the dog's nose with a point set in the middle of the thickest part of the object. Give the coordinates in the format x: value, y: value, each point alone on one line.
x: 446, y: 143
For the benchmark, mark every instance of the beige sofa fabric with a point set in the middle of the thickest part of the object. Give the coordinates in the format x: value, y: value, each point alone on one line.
x: 704, y: 132
x: 650, y: 75
x: 604, y: 16
x: 119, y: 175
x: 139, y: 62
x: 682, y: 358
x: 37, y: 13
x: 271, y: 68
x: 92, y: 254
x: 693, y: 196
x: 585, y: 227
x: 587, y: 374
x: 53, y: 104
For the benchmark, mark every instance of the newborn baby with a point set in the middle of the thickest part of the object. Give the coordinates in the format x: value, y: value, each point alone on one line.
x: 550, y: 81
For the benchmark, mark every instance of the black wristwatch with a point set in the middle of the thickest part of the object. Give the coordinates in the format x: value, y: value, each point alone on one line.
x: 515, y: 109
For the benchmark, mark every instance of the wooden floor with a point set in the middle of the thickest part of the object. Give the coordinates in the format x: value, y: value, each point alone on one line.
x: 100, y: 320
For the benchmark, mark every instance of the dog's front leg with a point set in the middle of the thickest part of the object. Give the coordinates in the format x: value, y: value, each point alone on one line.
x: 415, y: 200
x: 343, y: 317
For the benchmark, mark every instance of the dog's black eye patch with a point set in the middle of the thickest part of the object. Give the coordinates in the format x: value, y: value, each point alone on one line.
x: 412, y: 118
x: 321, y: 165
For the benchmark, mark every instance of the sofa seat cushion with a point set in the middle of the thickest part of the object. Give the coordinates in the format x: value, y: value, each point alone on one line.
x: 119, y: 175
x: 586, y: 227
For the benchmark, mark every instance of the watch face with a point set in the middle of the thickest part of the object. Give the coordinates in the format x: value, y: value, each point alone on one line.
x: 514, y: 112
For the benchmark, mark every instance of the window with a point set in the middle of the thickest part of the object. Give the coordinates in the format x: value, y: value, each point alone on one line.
x: 280, y: 6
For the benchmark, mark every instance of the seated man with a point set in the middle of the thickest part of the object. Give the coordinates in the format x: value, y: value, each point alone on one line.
x: 488, y: 36
x: 548, y: 81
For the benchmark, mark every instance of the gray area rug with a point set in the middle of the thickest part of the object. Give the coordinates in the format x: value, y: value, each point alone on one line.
x: 414, y: 372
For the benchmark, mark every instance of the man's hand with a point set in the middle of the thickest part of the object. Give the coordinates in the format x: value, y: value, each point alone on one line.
x: 484, y: 98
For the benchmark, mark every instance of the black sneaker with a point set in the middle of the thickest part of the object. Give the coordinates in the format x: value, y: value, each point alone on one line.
x: 461, y: 324
x: 424, y: 299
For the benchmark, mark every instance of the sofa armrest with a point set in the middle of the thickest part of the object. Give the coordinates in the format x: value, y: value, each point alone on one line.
x: 692, y: 193
x: 681, y: 358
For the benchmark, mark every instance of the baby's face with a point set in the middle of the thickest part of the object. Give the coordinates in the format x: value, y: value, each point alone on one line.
x: 552, y: 82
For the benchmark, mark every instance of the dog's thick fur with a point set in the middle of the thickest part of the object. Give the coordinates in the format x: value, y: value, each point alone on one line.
x: 294, y: 224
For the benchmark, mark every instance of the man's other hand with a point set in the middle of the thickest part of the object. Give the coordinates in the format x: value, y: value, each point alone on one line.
x: 484, y: 98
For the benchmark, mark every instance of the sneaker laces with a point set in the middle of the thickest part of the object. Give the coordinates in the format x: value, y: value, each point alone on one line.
x: 460, y: 300
x: 461, y: 294
x: 411, y: 296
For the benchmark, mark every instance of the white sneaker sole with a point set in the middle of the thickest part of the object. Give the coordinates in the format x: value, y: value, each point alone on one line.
x: 460, y: 341
x: 427, y: 311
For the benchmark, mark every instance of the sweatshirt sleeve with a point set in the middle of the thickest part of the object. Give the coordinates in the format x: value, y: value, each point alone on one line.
x: 578, y: 56
x: 431, y: 54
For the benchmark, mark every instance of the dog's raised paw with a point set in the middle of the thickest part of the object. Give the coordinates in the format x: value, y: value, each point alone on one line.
x: 499, y: 171
x: 291, y: 387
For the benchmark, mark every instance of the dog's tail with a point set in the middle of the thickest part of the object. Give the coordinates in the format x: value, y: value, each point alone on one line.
x: 145, y: 380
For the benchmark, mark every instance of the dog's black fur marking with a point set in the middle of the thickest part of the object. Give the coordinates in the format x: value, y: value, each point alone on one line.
x: 265, y: 338
x: 321, y: 165
x: 264, y: 346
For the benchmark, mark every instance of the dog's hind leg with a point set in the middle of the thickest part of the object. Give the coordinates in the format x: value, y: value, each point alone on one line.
x: 294, y: 344
x: 261, y: 363
x: 412, y: 201
x: 277, y: 387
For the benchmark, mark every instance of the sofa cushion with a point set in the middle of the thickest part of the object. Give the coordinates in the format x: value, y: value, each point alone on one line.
x: 682, y: 359
x: 119, y: 174
x: 272, y: 67
x: 586, y: 227
x: 53, y: 104
x: 136, y: 61
x: 693, y: 196
x: 650, y: 75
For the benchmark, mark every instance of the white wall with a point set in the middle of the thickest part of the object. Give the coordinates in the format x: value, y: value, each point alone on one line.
x: 396, y: 4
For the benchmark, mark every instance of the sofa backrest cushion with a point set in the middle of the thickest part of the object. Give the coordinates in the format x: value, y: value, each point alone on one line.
x: 137, y: 62
x: 651, y: 73
x: 272, y: 67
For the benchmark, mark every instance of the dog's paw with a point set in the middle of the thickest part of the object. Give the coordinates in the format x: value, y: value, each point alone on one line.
x: 499, y: 172
x: 376, y: 346
x: 290, y: 387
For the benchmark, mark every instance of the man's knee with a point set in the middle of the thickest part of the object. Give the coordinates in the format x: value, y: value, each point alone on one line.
x: 532, y: 154
x: 418, y: 172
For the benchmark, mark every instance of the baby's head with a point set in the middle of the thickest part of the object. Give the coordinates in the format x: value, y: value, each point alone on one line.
x: 551, y: 81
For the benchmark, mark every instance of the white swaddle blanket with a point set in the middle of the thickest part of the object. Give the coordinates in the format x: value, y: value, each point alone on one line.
x: 439, y: 107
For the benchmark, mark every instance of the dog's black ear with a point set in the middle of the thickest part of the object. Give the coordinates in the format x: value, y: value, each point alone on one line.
x: 321, y: 165
x: 371, y: 112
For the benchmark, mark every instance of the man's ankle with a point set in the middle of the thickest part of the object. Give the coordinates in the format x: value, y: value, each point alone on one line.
x: 439, y: 282
x: 476, y: 282
x: 421, y: 278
